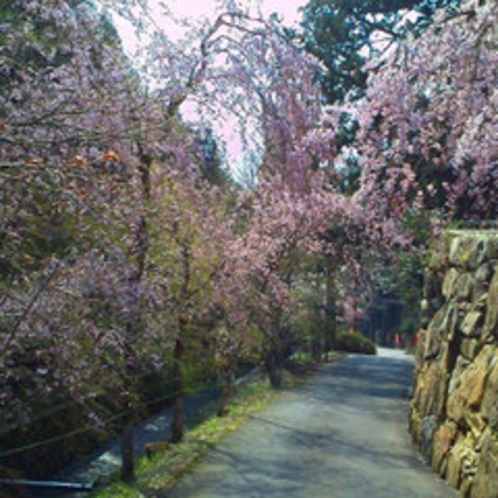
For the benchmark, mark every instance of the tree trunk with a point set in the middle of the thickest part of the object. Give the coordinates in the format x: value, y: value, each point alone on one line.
x: 225, y: 395
x: 134, y: 325
x: 184, y: 295
x: 316, y: 349
x: 177, y: 422
x: 330, y: 308
x: 273, y: 369
x: 127, y: 467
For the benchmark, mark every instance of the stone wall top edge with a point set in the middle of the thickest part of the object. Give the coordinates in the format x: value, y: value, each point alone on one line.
x: 473, y: 232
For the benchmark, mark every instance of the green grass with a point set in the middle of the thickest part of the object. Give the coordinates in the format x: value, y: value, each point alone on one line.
x: 156, y: 475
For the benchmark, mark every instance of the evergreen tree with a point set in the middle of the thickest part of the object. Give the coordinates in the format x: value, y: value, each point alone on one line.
x: 211, y: 167
x: 344, y: 34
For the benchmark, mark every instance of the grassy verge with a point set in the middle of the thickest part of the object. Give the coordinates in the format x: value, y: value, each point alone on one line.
x: 157, y: 474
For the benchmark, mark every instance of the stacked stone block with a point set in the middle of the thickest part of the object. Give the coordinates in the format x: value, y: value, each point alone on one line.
x: 454, y: 411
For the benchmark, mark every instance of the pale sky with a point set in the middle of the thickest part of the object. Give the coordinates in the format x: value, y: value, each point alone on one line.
x: 287, y: 10
x: 192, y: 10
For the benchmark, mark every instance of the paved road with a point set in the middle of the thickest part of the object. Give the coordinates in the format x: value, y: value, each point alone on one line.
x: 342, y: 435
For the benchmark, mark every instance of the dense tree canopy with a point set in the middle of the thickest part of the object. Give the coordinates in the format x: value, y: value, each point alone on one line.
x: 113, y: 244
x: 428, y: 122
x: 124, y: 249
x: 425, y: 145
x: 344, y: 34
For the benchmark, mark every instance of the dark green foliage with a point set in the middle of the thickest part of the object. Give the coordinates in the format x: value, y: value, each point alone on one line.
x: 354, y: 342
x: 314, y: 332
x: 408, y: 328
x: 210, y: 158
x: 51, y: 418
x: 339, y: 33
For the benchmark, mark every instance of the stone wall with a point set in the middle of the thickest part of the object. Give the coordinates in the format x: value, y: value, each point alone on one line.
x: 454, y: 411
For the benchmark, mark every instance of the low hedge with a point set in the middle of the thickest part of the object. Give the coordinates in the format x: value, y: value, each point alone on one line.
x: 354, y: 342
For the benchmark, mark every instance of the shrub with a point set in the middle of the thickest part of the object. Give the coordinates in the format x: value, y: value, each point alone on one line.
x: 354, y: 342
x: 408, y: 328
